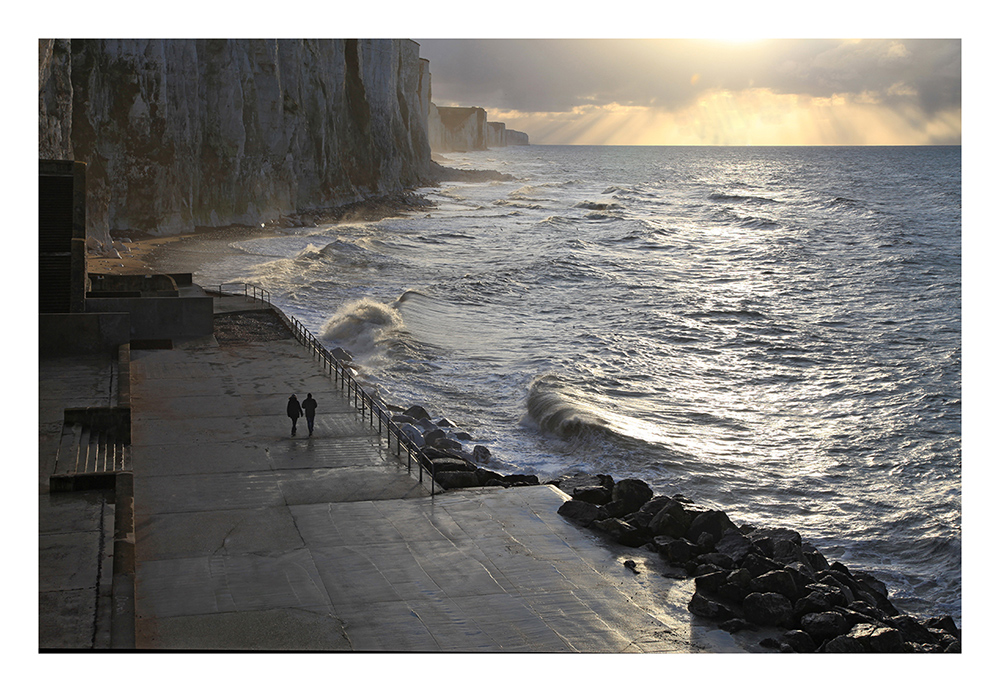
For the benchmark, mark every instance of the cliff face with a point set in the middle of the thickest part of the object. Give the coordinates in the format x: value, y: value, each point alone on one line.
x: 467, y: 129
x: 184, y: 133
x: 458, y: 129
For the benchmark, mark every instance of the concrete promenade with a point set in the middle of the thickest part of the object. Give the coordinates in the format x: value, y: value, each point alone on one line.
x: 247, y: 538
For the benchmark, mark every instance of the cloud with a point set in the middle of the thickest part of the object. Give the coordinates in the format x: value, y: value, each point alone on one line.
x: 916, y: 81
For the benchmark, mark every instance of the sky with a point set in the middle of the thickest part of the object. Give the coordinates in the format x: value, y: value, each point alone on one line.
x: 707, y: 91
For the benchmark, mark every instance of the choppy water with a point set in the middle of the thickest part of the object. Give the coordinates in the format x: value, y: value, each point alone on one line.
x: 773, y: 331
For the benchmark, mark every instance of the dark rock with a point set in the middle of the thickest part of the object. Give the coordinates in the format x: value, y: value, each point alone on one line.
x: 734, y: 544
x: 802, y: 575
x: 776, y: 581
x: 768, y: 609
x: 437, y: 453
x: 758, y: 564
x: 445, y: 464
x: 843, y: 644
x: 812, y: 602
x: 457, y: 479
x: 485, y: 476
x: 594, y: 494
x: 341, y: 355
x: 481, y: 455
x: 834, y: 594
x: 705, y: 542
x: 645, y: 514
x: 435, y: 434
x: 445, y: 443
x: 622, y: 532
x: 677, y: 551
x: 399, y: 418
x: 617, y: 509
x: 462, y: 435
x: 737, y: 586
x: 874, y: 592
x: 735, y: 625
x: 712, y: 521
x: 814, y: 558
x: 633, y: 492
x: 799, y: 641
x: 445, y: 423
x: 781, y: 545
x: 569, y: 483
x: 834, y: 582
x: 886, y: 640
x: 912, y: 630
x: 825, y: 625
x: 413, y: 433
x: 865, y: 609
x: 840, y: 567
x: 945, y: 623
x: 520, y: 479
x: 630, y: 565
x: 701, y: 568
x: 711, y: 582
x: 671, y: 520
x: 943, y: 638
x: 708, y: 607
x: 717, y: 559
x: 416, y: 413
x: 582, y: 513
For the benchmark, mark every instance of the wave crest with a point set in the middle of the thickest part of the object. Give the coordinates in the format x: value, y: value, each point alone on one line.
x: 553, y: 407
x: 360, y: 326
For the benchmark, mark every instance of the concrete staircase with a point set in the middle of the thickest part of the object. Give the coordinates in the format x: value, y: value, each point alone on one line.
x: 94, y: 448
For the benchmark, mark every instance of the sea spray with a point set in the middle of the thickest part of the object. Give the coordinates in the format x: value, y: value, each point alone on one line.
x: 361, y: 326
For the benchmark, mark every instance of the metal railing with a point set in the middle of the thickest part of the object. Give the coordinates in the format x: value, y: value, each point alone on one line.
x: 375, y: 411
x: 255, y: 293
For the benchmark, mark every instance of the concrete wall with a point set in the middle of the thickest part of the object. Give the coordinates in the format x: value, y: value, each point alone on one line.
x: 82, y: 332
x: 160, y: 318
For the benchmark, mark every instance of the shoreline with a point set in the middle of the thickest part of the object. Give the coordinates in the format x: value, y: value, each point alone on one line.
x: 141, y: 253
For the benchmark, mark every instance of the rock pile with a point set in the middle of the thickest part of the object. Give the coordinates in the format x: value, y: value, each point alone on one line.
x: 451, y: 465
x: 748, y: 577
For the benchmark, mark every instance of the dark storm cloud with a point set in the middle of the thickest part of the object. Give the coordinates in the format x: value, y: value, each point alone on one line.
x: 542, y: 75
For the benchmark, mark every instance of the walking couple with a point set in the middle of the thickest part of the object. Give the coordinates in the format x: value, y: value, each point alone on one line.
x: 295, y: 410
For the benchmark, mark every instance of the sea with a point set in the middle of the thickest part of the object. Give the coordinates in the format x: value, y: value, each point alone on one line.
x: 771, y: 331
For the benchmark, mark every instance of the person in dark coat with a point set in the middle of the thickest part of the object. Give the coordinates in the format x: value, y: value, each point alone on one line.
x: 294, y: 411
x: 309, y: 406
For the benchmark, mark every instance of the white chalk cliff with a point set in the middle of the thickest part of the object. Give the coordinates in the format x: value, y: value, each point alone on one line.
x: 179, y: 134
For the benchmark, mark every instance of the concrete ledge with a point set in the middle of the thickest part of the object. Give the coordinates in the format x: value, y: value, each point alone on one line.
x: 161, y: 317
x: 82, y: 332
x: 123, y: 571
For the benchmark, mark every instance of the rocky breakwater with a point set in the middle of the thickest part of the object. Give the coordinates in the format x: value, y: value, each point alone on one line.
x: 443, y: 446
x: 748, y: 577
x: 188, y: 133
